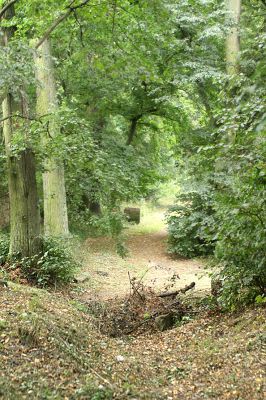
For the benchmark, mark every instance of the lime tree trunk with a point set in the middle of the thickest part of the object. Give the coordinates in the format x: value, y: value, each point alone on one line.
x: 24, y: 211
x: 233, y: 37
x: 233, y: 54
x: 54, y: 192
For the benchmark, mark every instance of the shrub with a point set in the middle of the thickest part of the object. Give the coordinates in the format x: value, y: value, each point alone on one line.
x: 54, y: 266
x: 191, y: 224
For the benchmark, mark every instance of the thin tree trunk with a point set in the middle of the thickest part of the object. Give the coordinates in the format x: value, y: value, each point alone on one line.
x: 233, y: 38
x: 54, y: 192
x: 233, y: 52
x: 24, y: 212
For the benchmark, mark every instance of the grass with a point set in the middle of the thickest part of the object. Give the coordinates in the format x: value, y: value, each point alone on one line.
x: 153, y: 211
x: 151, y: 221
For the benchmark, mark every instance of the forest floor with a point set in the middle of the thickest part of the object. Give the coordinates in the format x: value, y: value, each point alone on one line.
x: 52, y: 345
x: 51, y: 348
x: 107, y: 274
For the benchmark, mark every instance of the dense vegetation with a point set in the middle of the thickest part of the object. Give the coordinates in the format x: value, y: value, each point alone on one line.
x: 222, y: 207
x: 105, y: 100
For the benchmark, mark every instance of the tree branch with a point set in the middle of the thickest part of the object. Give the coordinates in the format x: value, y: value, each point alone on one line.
x: 6, y: 7
x: 23, y: 117
x: 60, y: 19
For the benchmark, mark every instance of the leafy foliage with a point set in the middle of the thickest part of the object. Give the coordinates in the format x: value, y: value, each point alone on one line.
x: 226, y: 152
x: 241, y: 239
x: 191, y: 224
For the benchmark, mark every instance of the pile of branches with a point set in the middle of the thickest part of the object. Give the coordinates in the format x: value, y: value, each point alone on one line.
x: 143, y: 310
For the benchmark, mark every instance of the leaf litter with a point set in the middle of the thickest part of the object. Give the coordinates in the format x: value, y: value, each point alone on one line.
x: 52, y: 347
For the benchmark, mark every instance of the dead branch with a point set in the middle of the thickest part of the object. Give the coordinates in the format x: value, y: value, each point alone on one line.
x: 135, y: 286
x: 184, y: 290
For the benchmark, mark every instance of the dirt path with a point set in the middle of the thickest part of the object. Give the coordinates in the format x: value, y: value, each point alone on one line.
x: 107, y: 274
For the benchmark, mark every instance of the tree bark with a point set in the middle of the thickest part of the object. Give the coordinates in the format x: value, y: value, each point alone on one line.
x: 24, y: 211
x: 54, y: 192
x: 233, y: 38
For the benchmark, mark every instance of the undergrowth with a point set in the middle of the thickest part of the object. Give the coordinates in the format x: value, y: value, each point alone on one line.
x: 57, y: 264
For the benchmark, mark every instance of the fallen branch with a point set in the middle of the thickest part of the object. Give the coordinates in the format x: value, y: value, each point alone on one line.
x: 184, y: 290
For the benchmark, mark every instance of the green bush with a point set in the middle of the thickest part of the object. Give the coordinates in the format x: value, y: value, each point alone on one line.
x: 4, y: 247
x: 191, y: 224
x: 56, y: 265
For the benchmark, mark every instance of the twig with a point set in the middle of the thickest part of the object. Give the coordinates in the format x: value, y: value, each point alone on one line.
x: 136, y: 287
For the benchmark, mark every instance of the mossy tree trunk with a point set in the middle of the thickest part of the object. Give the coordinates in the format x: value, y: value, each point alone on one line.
x: 54, y: 192
x: 24, y: 212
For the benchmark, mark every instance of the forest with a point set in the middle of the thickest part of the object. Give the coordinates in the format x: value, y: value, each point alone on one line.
x: 133, y: 199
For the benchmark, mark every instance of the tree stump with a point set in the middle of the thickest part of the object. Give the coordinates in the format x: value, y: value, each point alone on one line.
x: 132, y: 214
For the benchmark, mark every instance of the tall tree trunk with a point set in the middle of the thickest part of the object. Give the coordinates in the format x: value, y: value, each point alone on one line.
x: 24, y: 212
x: 233, y: 38
x: 54, y: 192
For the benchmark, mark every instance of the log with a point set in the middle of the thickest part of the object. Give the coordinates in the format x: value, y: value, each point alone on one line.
x: 132, y: 214
x: 184, y: 290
